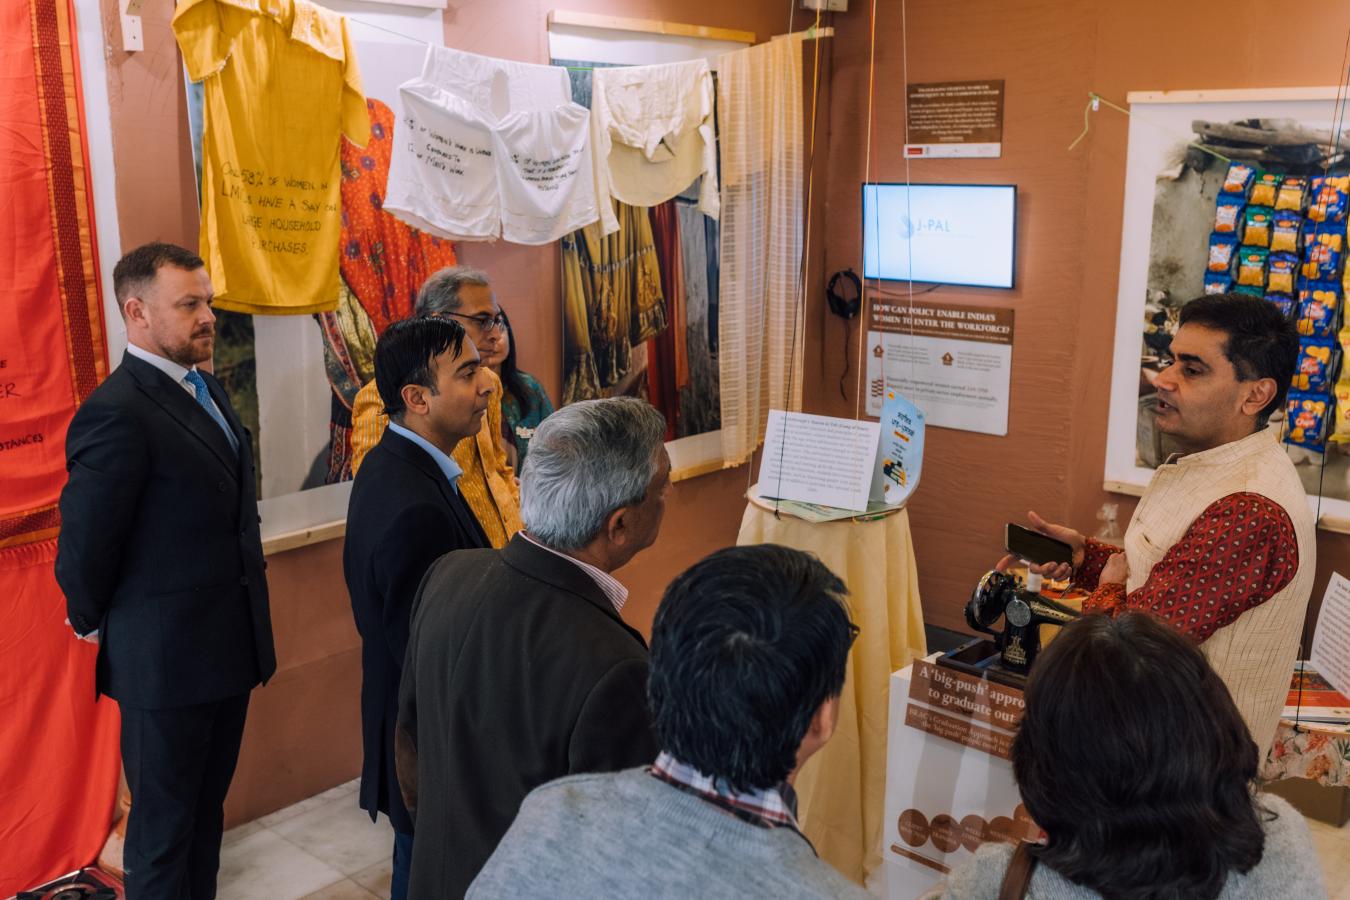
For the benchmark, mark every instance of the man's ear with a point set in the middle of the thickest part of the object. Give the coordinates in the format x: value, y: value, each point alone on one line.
x: 824, y: 721
x: 133, y: 310
x: 414, y: 399
x: 1259, y: 394
x: 616, y: 529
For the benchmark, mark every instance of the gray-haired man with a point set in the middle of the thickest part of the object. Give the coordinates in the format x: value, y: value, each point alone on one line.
x: 519, y: 668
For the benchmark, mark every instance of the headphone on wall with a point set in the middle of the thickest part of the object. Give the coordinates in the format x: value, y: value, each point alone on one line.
x: 844, y: 304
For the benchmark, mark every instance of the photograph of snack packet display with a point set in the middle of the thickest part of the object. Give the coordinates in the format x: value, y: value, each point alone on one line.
x: 1263, y: 214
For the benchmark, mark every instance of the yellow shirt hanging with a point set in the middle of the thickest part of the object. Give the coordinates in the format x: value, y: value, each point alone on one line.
x: 281, y: 87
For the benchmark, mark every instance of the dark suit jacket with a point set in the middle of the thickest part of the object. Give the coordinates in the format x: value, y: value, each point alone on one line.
x: 519, y: 671
x: 159, y: 547
x: 403, y: 514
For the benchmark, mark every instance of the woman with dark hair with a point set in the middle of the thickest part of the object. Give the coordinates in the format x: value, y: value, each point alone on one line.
x: 524, y: 402
x: 1135, y: 762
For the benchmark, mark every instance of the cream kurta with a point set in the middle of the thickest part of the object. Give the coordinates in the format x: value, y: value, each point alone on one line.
x: 1255, y: 654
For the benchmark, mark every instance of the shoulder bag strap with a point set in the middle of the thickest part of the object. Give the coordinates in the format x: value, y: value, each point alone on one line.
x: 1018, y: 877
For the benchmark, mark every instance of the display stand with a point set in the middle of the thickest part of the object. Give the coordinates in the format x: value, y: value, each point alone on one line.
x: 840, y: 789
x: 949, y: 782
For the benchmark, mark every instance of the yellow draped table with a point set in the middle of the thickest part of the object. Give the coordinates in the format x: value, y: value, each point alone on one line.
x: 841, y: 790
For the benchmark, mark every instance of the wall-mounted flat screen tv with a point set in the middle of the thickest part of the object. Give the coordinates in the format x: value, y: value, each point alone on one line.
x: 960, y: 234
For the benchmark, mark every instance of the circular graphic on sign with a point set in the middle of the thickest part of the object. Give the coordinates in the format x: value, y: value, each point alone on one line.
x: 946, y: 833
x: 914, y: 828
x: 972, y: 832
x: 1001, y: 828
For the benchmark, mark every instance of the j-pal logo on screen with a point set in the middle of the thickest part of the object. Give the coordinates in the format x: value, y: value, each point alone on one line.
x: 910, y: 227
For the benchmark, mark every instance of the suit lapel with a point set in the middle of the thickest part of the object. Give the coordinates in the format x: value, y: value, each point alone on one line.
x: 415, y: 456
x: 561, y: 573
x: 185, y: 410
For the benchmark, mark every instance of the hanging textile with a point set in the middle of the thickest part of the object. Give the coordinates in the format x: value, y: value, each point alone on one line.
x: 760, y: 103
x: 611, y: 301
x: 667, y: 358
x: 700, y: 410
x: 349, y: 359
x: 383, y: 261
x: 489, y: 147
x: 653, y: 133
x: 58, y: 747
x: 281, y: 87
x: 383, y: 265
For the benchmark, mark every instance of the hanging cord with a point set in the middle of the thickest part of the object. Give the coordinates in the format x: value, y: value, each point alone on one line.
x: 864, y: 308
x: 1338, y: 119
x: 1095, y: 101
x: 909, y: 187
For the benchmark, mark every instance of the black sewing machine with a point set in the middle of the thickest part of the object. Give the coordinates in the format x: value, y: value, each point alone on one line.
x: 1009, y: 656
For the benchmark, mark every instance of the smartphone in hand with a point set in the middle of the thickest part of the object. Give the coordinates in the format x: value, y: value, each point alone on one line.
x: 1034, y: 547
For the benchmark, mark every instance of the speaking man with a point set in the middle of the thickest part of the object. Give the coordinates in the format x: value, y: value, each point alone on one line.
x: 1222, y: 544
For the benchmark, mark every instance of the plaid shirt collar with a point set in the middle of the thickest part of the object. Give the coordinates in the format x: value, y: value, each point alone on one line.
x: 768, y: 808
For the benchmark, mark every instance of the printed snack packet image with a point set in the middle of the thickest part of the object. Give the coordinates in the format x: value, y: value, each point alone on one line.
x: 1258, y: 224
x: 1264, y: 189
x: 1238, y: 179
x: 1317, y: 359
x: 1306, y: 414
x: 1293, y: 193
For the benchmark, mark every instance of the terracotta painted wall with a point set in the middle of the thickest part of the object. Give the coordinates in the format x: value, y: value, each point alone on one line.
x: 1051, y: 53
x: 303, y: 731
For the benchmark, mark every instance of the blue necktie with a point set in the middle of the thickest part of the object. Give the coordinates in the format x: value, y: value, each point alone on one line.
x: 194, y: 378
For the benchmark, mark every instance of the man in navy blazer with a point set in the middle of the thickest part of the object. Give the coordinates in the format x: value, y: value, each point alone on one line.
x: 405, y: 512
x: 161, y: 562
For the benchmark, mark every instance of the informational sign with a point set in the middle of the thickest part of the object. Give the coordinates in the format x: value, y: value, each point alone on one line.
x: 961, y: 793
x: 818, y: 459
x: 954, y: 362
x: 899, y: 450
x: 955, y: 118
x: 1331, y: 644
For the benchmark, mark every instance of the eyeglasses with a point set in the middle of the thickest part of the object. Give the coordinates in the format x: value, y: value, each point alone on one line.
x: 484, y: 323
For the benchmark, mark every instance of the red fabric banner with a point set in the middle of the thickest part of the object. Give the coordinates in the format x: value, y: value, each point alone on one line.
x: 58, y: 748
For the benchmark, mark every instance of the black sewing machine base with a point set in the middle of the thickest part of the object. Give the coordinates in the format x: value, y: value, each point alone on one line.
x: 982, y: 659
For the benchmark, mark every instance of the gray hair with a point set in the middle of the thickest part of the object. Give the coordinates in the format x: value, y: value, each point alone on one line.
x: 440, y: 292
x: 585, y: 461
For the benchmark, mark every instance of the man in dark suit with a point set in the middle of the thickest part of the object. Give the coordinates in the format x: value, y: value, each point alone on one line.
x: 161, y: 562
x: 405, y: 512
x: 519, y: 667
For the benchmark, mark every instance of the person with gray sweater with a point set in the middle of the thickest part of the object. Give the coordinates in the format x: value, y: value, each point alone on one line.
x: 748, y: 654
x: 1137, y: 765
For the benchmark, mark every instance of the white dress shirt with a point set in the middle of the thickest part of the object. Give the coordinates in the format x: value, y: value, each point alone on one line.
x: 173, y: 370
x: 608, y: 584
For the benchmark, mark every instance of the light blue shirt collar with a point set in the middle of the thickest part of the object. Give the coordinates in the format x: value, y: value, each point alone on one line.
x: 447, y: 465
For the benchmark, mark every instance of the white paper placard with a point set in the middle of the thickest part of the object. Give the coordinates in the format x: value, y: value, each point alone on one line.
x: 955, y: 362
x: 818, y: 459
x: 1331, y: 644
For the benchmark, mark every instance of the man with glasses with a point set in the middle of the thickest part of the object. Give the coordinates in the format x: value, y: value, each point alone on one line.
x: 488, y: 484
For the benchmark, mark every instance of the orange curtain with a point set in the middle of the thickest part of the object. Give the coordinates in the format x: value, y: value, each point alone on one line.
x: 58, y: 748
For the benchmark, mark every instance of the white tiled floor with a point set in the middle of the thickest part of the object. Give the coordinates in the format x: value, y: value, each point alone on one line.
x: 326, y: 848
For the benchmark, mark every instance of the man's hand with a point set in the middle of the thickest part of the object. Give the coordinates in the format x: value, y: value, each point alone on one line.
x: 1052, y: 571
x: 91, y: 637
x: 1116, y: 570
